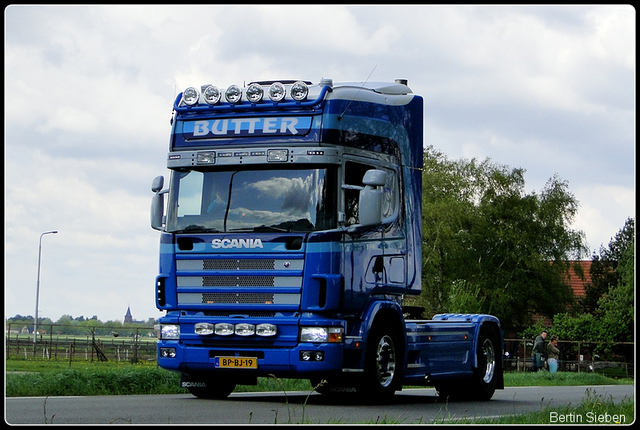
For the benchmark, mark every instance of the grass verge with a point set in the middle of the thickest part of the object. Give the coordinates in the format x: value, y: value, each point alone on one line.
x: 26, y: 378
x: 54, y: 378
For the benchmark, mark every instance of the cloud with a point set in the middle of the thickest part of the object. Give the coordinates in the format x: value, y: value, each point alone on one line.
x: 603, y: 212
x: 89, y: 92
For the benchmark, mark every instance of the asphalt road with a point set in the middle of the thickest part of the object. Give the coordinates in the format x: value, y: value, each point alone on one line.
x: 411, y: 406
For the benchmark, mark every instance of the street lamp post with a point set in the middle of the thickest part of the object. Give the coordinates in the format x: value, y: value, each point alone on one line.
x: 35, y: 320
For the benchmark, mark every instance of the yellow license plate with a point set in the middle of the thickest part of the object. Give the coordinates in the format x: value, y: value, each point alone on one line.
x: 236, y: 362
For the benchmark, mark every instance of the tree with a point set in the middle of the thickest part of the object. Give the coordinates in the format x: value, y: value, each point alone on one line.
x: 603, y: 267
x: 615, y: 308
x: 611, y: 318
x: 509, y: 249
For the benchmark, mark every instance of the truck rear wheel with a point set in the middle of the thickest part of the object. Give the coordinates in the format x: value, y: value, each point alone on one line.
x: 383, y: 364
x: 485, y: 377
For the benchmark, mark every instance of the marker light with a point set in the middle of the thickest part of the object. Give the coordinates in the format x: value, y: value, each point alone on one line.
x: 299, y: 91
x: 233, y: 94
x: 276, y: 92
x: 190, y: 96
x: 254, y: 93
x: 211, y: 95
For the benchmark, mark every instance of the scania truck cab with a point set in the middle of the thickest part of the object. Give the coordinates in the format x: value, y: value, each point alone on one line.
x: 290, y: 236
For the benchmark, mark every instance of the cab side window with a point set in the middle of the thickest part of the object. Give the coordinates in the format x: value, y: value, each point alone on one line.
x: 354, y: 172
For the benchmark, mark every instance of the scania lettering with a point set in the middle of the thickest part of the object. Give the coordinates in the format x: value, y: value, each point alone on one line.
x: 236, y: 243
x: 290, y: 235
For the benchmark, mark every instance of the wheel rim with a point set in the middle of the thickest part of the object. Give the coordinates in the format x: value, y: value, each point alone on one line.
x: 490, y: 360
x: 385, y: 361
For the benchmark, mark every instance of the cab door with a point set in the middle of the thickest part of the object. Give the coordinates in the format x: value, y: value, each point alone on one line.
x: 374, y: 256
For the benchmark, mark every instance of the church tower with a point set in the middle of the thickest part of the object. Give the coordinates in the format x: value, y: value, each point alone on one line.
x: 128, y: 318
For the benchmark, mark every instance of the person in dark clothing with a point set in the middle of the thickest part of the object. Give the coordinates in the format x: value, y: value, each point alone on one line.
x: 539, y: 352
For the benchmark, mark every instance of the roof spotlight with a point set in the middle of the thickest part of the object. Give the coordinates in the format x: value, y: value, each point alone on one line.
x: 190, y: 96
x: 276, y: 92
x: 233, y: 94
x: 299, y: 91
x: 254, y: 93
x: 211, y: 95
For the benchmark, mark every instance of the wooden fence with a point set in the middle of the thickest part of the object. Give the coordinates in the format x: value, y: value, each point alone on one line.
x: 576, y: 356
x: 134, y: 344
x: 139, y: 344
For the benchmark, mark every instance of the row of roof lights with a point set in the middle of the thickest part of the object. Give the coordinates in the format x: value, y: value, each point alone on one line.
x: 254, y: 93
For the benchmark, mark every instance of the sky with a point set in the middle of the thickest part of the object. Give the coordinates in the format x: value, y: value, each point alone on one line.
x: 89, y: 92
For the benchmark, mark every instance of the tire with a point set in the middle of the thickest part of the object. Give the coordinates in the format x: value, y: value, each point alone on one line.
x: 485, y: 377
x: 383, y: 364
x: 215, y: 389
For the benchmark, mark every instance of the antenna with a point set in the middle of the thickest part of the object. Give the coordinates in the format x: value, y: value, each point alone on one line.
x: 363, y: 84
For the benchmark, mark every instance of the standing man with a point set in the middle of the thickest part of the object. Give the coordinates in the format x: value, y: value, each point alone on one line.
x: 539, y: 349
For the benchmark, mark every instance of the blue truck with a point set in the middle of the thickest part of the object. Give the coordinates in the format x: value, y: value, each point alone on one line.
x: 290, y: 236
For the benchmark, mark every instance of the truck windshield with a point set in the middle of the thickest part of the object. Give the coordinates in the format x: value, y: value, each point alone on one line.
x: 252, y: 200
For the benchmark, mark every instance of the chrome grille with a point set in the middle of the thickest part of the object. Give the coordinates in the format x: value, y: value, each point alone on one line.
x: 230, y: 281
x: 246, y: 298
x: 237, y: 281
x: 248, y: 314
x: 239, y: 264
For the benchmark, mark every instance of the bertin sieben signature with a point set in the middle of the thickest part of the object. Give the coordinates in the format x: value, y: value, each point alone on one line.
x: 587, y: 418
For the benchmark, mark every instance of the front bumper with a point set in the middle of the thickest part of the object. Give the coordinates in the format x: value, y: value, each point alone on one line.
x: 279, y: 361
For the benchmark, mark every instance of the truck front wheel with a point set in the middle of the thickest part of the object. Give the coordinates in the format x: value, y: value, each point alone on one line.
x: 383, y: 364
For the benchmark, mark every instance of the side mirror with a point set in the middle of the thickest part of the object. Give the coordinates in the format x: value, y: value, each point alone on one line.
x: 157, y: 203
x: 370, y: 200
x: 157, y: 184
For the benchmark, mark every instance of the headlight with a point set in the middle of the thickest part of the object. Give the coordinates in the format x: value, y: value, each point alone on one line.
x: 190, y: 96
x: 233, y: 94
x: 299, y: 91
x: 321, y: 334
x: 169, y: 331
x: 211, y: 95
x: 254, y: 93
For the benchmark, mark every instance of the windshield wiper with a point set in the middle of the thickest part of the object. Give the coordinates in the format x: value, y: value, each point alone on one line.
x: 194, y: 228
x: 262, y: 228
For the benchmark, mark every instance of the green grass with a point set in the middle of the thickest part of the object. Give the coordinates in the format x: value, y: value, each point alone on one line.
x: 544, y: 378
x: 26, y: 378
x: 33, y: 377
x: 594, y: 409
